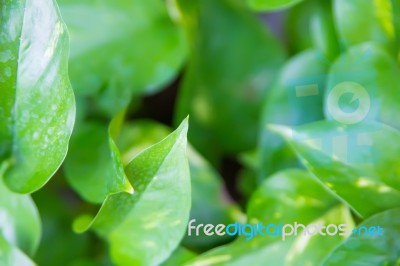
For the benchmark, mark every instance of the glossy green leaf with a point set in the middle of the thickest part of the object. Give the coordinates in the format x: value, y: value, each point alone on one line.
x: 37, y: 108
x: 19, y: 221
x: 10, y: 255
x: 94, y: 166
x: 269, y: 5
x: 157, y: 212
x: 367, y: 249
x: 363, y: 86
x: 296, y: 99
x: 121, y: 48
x: 361, y: 21
x: 210, y: 203
x: 233, y: 60
x: 359, y: 163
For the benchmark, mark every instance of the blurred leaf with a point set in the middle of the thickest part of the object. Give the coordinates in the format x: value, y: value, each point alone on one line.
x: 323, y: 30
x: 295, y: 99
x: 180, y: 256
x: 93, y: 166
x: 372, y: 92
x: 361, y: 21
x: 121, y: 48
x: 359, y: 163
x: 10, y: 255
x: 57, y: 208
x: 296, y: 196
x: 366, y: 249
x: 297, y: 26
x: 153, y: 219
x: 19, y: 221
x: 312, y: 250
x: 37, y: 106
x: 269, y: 5
x: 288, y: 196
x: 210, y: 202
x: 233, y: 60
x: 241, y: 252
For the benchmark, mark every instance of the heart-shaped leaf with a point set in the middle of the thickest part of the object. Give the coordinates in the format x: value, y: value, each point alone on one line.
x: 209, y: 202
x: 157, y: 212
x: 37, y: 108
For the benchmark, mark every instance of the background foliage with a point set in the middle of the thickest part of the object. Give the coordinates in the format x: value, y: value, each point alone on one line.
x: 272, y: 90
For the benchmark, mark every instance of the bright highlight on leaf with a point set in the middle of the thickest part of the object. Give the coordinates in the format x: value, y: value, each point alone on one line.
x: 351, y: 169
x: 37, y: 108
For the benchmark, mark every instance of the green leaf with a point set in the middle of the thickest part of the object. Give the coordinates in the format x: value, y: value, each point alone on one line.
x: 365, y: 249
x: 288, y: 196
x: 137, y: 136
x: 297, y: 26
x: 57, y: 207
x: 296, y: 99
x: 363, y: 86
x: 239, y: 253
x: 209, y: 202
x: 37, y: 108
x: 323, y: 31
x: 359, y: 163
x: 145, y: 227
x: 233, y: 60
x: 20, y: 223
x: 374, y: 17
x: 10, y: 255
x: 269, y: 5
x: 180, y: 256
x: 121, y: 48
x: 312, y: 250
x: 94, y: 166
